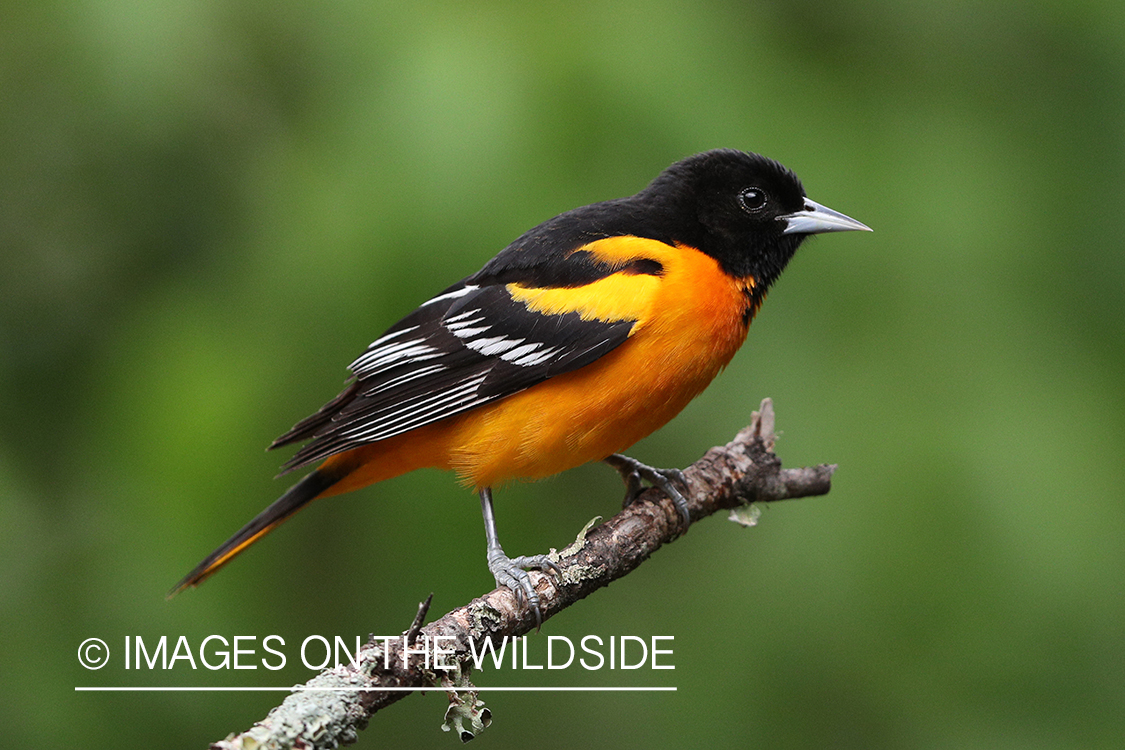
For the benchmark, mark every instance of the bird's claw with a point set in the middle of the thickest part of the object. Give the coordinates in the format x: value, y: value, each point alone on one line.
x: 666, y: 480
x: 634, y: 486
x: 512, y: 573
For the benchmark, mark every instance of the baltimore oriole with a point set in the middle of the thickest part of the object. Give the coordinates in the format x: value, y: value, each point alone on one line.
x: 583, y: 336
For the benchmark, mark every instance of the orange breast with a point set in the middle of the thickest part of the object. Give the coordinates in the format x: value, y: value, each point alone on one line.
x: 690, y: 322
x: 691, y: 328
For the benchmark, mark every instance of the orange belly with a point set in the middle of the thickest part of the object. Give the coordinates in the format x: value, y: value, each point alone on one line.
x: 585, y: 415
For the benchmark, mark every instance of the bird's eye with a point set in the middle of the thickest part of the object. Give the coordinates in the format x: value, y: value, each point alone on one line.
x: 752, y: 199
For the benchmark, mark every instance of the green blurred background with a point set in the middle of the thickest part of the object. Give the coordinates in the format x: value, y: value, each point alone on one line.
x: 208, y: 208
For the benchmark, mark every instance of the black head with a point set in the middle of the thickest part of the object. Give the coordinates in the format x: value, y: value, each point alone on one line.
x: 747, y: 211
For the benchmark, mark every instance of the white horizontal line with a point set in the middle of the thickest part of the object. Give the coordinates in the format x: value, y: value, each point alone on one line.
x: 303, y: 689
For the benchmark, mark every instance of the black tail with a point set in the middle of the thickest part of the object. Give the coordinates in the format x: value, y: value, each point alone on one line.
x: 295, y: 498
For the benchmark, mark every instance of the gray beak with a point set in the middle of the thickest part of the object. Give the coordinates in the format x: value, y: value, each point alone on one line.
x: 815, y: 219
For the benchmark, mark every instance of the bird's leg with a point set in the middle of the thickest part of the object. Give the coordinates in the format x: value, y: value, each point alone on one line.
x: 635, y: 474
x: 512, y: 572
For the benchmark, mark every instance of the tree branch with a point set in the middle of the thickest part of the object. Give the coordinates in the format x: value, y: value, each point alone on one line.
x: 331, y: 708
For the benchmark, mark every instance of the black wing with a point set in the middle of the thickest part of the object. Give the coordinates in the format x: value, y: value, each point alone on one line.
x: 468, y: 346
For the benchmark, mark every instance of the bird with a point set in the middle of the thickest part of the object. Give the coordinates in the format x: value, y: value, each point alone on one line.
x: 587, y: 333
